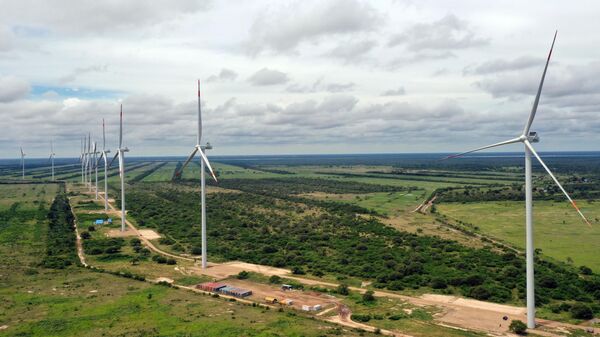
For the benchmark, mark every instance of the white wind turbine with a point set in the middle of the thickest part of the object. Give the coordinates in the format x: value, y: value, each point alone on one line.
x: 52, y: 155
x: 527, y: 137
x: 23, y: 163
x: 103, y: 156
x: 95, y: 163
x: 120, y: 154
x: 82, y: 159
x: 89, y: 162
x: 203, y: 160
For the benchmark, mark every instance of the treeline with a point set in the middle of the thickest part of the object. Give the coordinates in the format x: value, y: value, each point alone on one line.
x: 267, y: 230
x: 298, y: 185
x: 476, y: 175
x: 516, y: 192
x: 60, y: 241
x: 388, y: 176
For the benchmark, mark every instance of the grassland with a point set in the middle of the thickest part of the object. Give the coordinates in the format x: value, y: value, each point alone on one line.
x: 559, y: 231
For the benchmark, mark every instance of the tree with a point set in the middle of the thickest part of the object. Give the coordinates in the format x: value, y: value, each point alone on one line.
x: 368, y: 296
x: 517, y: 327
x: 581, y: 311
x: 85, y: 235
x: 243, y: 275
x: 585, y: 270
x: 275, y: 279
x: 342, y: 289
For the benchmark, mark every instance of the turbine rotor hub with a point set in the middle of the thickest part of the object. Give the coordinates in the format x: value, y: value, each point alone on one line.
x: 533, y: 137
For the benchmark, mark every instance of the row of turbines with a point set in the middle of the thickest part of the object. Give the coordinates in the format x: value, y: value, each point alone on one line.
x: 89, y: 162
x: 90, y: 159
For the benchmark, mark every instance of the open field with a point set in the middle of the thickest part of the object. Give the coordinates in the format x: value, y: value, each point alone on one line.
x: 559, y: 231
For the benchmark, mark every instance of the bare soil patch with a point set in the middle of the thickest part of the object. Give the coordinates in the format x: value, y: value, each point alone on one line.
x: 225, y: 270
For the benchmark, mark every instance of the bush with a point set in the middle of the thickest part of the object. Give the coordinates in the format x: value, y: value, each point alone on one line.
x: 438, y: 283
x: 166, y: 241
x: 585, y: 270
x: 275, y: 279
x: 298, y: 271
x: 581, y: 311
x: 85, y: 235
x: 518, y: 327
x: 135, y: 242
x: 243, y: 275
x: 342, y: 289
x: 171, y: 261
x: 91, y: 229
x: 196, y: 250
x: 368, y: 296
x: 361, y: 318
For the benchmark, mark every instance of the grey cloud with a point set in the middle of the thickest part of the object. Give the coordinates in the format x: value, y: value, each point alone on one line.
x: 319, y: 86
x: 420, y: 57
x: 223, y: 76
x: 394, y: 92
x: 13, y: 88
x: 81, y: 71
x: 352, y: 50
x: 97, y: 17
x: 498, y: 65
x: 7, y: 39
x: 340, y: 87
x: 281, y: 30
x: 267, y: 76
x: 448, y: 33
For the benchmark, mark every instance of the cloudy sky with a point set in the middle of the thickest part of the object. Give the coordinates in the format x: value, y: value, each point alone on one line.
x: 339, y: 76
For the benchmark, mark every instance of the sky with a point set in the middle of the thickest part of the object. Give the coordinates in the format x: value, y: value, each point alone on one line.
x: 296, y: 77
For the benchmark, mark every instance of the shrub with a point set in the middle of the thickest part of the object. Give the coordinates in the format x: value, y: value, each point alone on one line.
x: 298, y: 271
x: 342, y: 289
x: 135, y: 242
x: 91, y: 229
x: 171, y: 261
x: 243, y: 275
x: 275, y: 279
x: 585, y: 270
x: 361, y: 318
x: 85, y: 235
x: 518, y: 327
x: 438, y: 283
x: 166, y: 241
x: 368, y: 296
x: 581, y: 311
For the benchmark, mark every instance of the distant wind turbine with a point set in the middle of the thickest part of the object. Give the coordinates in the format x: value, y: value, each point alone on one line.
x: 95, y: 163
x: 121, y: 155
x: 23, y: 163
x: 82, y: 159
x: 203, y: 160
x: 52, y: 155
x: 527, y: 137
x: 103, y: 156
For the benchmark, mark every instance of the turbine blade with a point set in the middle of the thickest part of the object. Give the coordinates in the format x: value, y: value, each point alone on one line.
x: 103, y: 136
x: 178, y: 173
x: 539, y: 91
x: 530, y: 147
x: 208, y: 165
x: 115, y: 157
x: 506, y: 142
x: 121, y: 128
x: 199, y: 116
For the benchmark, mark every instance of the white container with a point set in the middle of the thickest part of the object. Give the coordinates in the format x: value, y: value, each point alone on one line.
x: 306, y: 307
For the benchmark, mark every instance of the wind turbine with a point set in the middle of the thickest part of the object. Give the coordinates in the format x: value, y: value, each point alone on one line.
x: 52, y: 155
x: 103, y: 156
x: 89, y: 162
x: 23, y: 162
x: 95, y: 163
x: 527, y: 137
x: 82, y: 159
x: 121, y: 153
x: 203, y: 160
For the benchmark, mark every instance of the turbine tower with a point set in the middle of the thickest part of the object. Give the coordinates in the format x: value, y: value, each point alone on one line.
x: 121, y: 153
x: 89, y: 162
x: 23, y: 163
x: 103, y: 156
x: 203, y: 160
x: 52, y: 155
x: 527, y: 137
x: 82, y: 159
x: 95, y: 163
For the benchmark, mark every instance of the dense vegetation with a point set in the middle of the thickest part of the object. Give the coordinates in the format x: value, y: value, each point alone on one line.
x: 60, y: 241
x: 282, y: 232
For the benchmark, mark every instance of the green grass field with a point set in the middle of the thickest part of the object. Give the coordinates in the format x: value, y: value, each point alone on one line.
x: 559, y: 231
